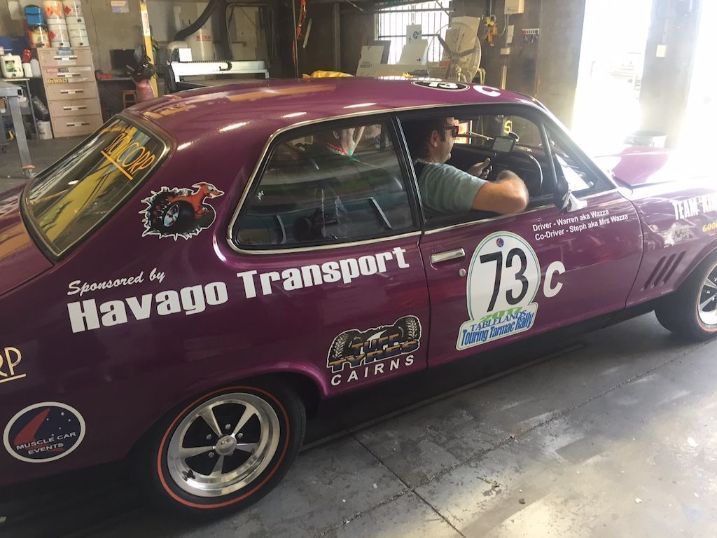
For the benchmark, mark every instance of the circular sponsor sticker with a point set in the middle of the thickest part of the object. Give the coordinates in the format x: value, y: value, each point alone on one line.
x: 44, y: 432
x: 504, y: 274
x: 441, y: 85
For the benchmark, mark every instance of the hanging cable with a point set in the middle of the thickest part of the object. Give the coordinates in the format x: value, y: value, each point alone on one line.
x: 302, y: 19
x: 184, y: 33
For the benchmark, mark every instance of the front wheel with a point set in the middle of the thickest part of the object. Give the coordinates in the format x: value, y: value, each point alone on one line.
x: 226, y: 449
x: 692, y: 310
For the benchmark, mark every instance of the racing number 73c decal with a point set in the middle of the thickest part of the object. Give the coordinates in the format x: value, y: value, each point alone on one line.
x: 503, y: 280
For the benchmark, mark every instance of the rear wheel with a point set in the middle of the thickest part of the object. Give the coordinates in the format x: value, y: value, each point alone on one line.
x: 227, y: 449
x: 692, y: 310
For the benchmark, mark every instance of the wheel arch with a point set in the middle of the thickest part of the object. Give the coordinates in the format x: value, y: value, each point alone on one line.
x: 708, y: 250
x: 306, y: 386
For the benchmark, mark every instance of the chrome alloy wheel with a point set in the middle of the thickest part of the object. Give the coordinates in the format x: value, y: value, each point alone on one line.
x: 223, y: 444
x: 707, y: 307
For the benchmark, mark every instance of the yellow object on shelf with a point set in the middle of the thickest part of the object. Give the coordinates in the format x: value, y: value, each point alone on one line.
x: 326, y: 74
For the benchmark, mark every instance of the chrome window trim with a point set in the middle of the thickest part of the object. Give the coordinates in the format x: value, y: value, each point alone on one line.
x: 501, y: 217
x: 279, y: 132
x: 329, y: 246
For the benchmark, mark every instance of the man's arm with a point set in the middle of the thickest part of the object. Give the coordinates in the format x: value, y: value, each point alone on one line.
x: 507, y: 194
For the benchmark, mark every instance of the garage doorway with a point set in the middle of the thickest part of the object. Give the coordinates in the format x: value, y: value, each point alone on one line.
x: 701, y: 117
x: 612, y: 56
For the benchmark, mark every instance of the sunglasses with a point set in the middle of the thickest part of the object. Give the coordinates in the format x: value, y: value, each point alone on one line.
x: 453, y: 129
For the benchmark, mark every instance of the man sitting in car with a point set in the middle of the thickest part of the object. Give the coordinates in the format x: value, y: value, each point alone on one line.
x: 446, y: 189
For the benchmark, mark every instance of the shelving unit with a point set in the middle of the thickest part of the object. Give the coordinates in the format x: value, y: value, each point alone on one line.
x: 68, y: 76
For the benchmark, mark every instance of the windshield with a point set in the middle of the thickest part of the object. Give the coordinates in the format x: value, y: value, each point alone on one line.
x: 76, y: 195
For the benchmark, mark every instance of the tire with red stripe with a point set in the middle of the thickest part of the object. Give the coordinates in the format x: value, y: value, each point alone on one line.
x: 225, y: 450
x: 691, y: 311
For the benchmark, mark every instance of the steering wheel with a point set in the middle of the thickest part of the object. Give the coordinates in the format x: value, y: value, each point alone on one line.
x: 504, y: 159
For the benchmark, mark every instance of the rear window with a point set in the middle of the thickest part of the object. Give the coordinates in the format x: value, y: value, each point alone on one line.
x: 80, y: 191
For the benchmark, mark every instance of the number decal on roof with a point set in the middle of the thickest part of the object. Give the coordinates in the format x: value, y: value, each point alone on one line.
x: 441, y: 85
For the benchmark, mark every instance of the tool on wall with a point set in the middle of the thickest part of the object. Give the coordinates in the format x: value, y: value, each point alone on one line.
x: 491, y: 30
x: 530, y: 35
x: 298, y: 32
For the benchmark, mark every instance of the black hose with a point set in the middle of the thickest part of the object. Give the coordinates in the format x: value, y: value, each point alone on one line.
x: 225, y: 46
x: 201, y: 20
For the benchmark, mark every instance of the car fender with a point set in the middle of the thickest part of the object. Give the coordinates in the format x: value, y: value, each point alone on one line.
x: 307, y: 372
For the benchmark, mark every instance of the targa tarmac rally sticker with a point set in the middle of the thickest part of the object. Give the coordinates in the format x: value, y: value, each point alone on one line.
x: 503, y: 280
x: 44, y: 432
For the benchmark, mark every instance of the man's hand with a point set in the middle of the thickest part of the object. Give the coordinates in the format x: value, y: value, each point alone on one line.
x: 506, y: 195
x: 480, y: 170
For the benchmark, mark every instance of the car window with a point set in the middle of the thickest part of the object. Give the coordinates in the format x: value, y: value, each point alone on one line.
x: 330, y: 185
x: 568, y: 166
x: 512, y: 142
x: 76, y: 194
x: 482, y: 130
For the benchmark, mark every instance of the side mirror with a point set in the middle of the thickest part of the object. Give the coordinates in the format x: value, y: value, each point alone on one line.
x: 567, y: 203
x: 565, y: 200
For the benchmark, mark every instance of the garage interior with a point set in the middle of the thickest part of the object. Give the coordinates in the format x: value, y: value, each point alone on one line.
x: 609, y: 433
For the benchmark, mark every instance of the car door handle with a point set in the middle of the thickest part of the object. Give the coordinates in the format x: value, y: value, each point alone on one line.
x: 448, y: 255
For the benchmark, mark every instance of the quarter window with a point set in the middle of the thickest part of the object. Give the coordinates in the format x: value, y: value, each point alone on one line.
x: 79, y: 192
x: 334, y: 184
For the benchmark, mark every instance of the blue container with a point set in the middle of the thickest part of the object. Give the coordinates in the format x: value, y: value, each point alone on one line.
x: 34, y: 15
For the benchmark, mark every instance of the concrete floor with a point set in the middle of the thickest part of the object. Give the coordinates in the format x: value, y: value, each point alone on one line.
x: 610, y: 434
x: 614, y: 437
x: 42, y: 152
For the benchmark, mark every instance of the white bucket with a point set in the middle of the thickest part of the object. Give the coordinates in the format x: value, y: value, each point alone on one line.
x: 202, y: 45
x: 77, y: 24
x: 75, y: 21
x: 39, y: 37
x: 35, y: 64
x: 79, y: 42
x: 73, y: 8
x: 53, y: 9
x: 77, y: 33
x: 44, y: 130
x: 59, y: 35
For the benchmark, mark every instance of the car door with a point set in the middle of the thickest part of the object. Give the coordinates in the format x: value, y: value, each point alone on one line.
x: 496, y: 279
x: 326, y: 249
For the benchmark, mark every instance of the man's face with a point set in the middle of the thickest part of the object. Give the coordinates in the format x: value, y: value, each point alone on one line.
x: 445, y: 139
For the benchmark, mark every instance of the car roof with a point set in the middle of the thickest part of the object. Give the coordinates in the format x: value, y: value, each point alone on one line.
x: 276, y: 104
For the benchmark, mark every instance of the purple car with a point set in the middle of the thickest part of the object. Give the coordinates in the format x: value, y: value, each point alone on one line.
x: 200, y: 272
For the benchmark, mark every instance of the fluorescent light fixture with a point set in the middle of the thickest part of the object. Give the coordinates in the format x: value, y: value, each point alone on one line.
x: 233, y: 126
x: 294, y: 115
x: 184, y: 145
x: 360, y: 105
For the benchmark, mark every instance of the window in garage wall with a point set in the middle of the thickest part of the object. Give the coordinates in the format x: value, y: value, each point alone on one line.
x: 391, y: 25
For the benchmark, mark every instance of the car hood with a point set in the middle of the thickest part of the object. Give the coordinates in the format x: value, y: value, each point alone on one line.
x: 20, y: 259
x: 638, y: 167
